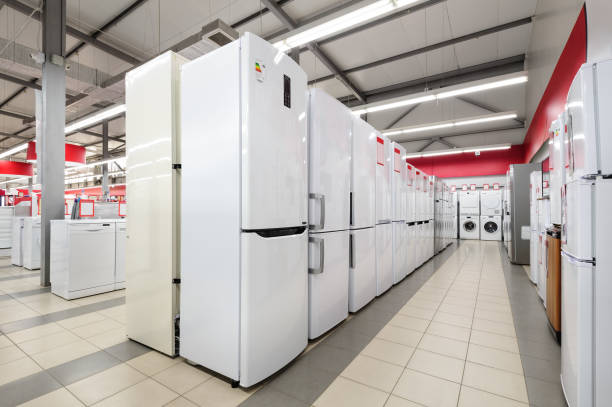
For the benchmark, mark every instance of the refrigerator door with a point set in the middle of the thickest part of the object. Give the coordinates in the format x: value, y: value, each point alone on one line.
x: 329, y: 149
x: 534, y: 256
x: 398, y: 182
x: 363, y: 175
x: 120, y: 242
x: 410, y: 248
x: 410, y: 200
x: 384, y: 257
x: 362, y: 272
x: 328, y: 281
x: 273, y: 328
x: 577, y: 230
x: 399, y: 251
x: 556, y: 168
x: 274, y: 139
x: 542, y: 266
x: 577, y: 328
x: 383, y: 181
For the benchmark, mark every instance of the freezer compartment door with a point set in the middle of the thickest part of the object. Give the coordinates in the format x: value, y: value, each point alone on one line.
x: 274, y: 305
x: 274, y: 139
x: 363, y: 174
x: 411, y: 248
x: 577, y: 328
x: 328, y: 281
x: 329, y: 149
x: 384, y: 257
x: 362, y: 273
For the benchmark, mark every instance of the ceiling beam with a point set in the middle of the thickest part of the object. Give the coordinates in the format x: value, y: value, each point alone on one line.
x: 430, y: 142
x: 109, y: 49
x: 485, y: 106
x: 402, y: 116
x: 441, y: 80
x: 14, y: 115
x: 379, y: 21
x: 314, y: 48
x: 257, y: 14
x: 113, y: 21
x: 432, y: 47
x: 18, y: 81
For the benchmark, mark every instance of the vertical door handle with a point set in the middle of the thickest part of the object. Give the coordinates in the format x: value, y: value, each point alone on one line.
x: 321, y: 246
x: 352, y: 260
x: 321, y: 199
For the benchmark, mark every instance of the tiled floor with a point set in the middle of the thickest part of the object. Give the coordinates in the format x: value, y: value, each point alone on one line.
x: 463, y: 330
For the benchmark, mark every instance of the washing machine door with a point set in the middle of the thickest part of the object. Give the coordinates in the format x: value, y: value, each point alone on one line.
x: 469, y: 226
x: 490, y: 226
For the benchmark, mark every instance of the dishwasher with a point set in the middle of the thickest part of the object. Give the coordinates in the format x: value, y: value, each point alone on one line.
x: 120, y: 243
x: 17, y: 241
x: 31, y: 243
x: 82, y: 257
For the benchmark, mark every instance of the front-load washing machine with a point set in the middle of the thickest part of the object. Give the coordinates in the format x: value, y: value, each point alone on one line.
x: 469, y: 227
x: 491, y: 202
x: 490, y: 228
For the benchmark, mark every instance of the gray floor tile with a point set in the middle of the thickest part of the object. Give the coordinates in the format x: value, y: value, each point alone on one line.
x: 272, y: 398
x: 347, y: 339
x: 27, y: 388
x: 21, y: 294
x: 543, y: 369
x: 365, y: 326
x: 127, y: 350
x: 544, y: 394
x: 18, y: 276
x: 302, y: 382
x: 540, y: 350
x: 329, y: 358
x: 60, y: 315
x: 81, y: 368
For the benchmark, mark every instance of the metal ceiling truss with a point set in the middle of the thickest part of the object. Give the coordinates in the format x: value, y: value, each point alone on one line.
x: 486, y: 107
x: 428, y: 48
x: 314, y: 48
x: 402, y: 116
x: 449, y: 78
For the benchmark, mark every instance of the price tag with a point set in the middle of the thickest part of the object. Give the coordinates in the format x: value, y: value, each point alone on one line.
x: 496, y: 186
x: 464, y: 187
x: 123, y: 209
x: 472, y: 187
x: 485, y: 187
x: 453, y: 188
x: 86, y: 208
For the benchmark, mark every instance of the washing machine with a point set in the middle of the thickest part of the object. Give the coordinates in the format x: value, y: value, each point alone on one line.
x: 490, y: 228
x: 491, y: 203
x: 469, y: 227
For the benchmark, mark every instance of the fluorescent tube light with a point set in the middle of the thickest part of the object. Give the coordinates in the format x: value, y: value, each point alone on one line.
x: 95, y: 118
x: 459, y: 151
x: 473, y: 150
x: 449, y: 124
x: 486, y: 119
x: 485, y: 86
x: 14, y: 150
x: 430, y: 96
x: 341, y: 23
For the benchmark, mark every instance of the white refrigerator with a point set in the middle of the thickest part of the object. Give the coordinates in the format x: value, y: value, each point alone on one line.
x: 411, y: 218
x: 244, y: 210
x: 535, y: 195
x: 544, y: 223
x: 362, y: 258
x: 329, y: 173
x: 586, y: 265
x: 384, y: 209
x: 398, y: 176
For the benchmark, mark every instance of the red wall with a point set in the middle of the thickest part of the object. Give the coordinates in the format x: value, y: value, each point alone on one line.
x: 554, y: 97
x: 469, y: 164
x: 551, y: 104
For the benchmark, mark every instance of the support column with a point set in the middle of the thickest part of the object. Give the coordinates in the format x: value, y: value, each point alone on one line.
x: 105, y: 156
x: 52, y: 158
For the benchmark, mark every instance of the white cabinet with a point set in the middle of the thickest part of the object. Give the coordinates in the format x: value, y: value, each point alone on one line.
x: 17, y: 241
x: 31, y: 243
x: 82, y: 257
x: 120, y: 242
x: 6, y: 226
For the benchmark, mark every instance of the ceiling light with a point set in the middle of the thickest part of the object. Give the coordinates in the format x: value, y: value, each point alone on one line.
x: 472, y: 87
x: 95, y: 118
x: 473, y: 150
x: 486, y: 119
x: 341, y: 23
x: 459, y: 151
x: 449, y: 124
x: 14, y: 150
x: 484, y: 86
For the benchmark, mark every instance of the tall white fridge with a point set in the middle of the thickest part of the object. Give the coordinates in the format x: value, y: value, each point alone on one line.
x: 411, y: 218
x: 244, y: 210
x: 329, y: 172
x: 362, y: 257
x: 535, y: 195
x: 384, y: 213
x: 586, y: 265
x: 399, y: 212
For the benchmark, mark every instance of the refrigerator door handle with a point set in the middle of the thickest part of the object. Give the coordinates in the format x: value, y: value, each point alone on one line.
x: 575, y: 260
x: 321, y: 243
x: 321, y: 199
x: 352, y: 251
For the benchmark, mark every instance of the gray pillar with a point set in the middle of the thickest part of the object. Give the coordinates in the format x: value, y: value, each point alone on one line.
x: 52, y: 157
x: 105, y: 155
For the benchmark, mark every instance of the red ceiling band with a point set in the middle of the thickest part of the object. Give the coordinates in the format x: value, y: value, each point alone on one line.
x: 15, y: 168
x: 73, y: 153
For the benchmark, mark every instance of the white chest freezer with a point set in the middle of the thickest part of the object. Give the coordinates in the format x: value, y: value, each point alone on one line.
x: 31, y: 243
x: 17, y: 241
x: 82, y: 257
